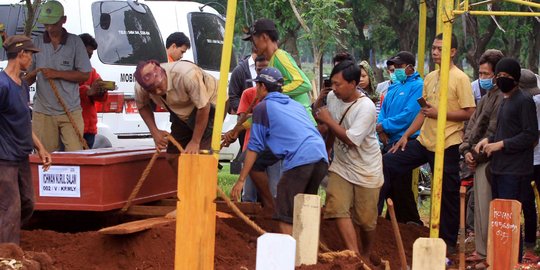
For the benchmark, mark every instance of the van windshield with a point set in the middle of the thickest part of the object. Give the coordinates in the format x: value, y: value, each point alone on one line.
x: 126, y: 36
x: 208, y: 31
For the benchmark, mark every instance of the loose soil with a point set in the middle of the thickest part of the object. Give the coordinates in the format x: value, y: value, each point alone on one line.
x: 154, y: 248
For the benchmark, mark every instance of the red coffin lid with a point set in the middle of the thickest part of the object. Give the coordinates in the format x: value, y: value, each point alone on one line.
x: 102, y: 156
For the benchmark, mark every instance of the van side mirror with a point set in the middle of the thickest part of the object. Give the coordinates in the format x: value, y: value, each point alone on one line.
x: 105, y: 21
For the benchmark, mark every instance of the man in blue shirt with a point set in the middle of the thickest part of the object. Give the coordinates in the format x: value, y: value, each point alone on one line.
x: 284, y: 126
x: 16, y: 141
x: 398, y: 111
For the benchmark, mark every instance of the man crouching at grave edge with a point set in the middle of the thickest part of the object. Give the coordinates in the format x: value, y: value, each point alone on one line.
x: 188, y: 93
x: 284, y: 126
x: 356, y: 173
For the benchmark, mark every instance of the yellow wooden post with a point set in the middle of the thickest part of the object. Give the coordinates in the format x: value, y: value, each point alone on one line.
x: 436, y: 192
x: 224, y: 76
x: 422, y: 37
x: 439, y: 22
x: 196, y: 213
x: 197, y: 180
x: 499, y: 13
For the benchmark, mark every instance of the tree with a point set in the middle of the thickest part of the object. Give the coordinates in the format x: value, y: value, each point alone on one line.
x: 321, y: 21
x: 31, y: 12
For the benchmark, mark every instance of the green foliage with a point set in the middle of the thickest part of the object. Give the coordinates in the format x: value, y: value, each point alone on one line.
x: 325, y: 19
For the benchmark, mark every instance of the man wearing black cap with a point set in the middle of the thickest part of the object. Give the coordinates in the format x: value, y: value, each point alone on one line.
x: 408, y: 154
x: 511, y: 147
x: 16, y: 140
x: 398, y: 111
x: 264, y: 36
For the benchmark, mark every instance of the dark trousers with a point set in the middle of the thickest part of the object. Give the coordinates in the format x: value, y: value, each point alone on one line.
x: 415, y: 155
x: 398, y: 187
x: 510, y: 187
x: 16, y: 199
x: 90, y: 139
x: 529, y: 212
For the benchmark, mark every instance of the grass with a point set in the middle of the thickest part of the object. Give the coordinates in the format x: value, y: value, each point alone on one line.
x: 226, y: 180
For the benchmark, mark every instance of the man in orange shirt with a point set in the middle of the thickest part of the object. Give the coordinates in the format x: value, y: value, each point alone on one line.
x: 177, y: 44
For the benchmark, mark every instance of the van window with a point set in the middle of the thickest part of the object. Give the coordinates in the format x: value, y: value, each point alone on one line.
x: 208, y: 31
x: 13, y: 17
x: 126, y: 36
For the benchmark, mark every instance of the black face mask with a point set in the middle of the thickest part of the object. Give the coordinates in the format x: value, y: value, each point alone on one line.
x: 506, y: 84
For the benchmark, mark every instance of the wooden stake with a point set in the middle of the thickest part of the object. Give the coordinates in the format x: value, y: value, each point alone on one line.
x: 196, y: 212
x: 401, y: 249
x: 503, y: 234
x: 462, y: 193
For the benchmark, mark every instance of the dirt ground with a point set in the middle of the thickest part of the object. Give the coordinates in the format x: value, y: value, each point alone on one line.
x: 154, y: 249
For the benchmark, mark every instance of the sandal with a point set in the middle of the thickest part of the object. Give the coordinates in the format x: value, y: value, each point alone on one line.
x: 474, y: 257
x: 530, y: 257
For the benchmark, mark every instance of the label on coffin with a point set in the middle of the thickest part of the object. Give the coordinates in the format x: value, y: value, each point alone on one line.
x: 60, y: 181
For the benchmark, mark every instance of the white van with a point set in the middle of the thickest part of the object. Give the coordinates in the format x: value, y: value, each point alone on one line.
x: 126, y: 32
x: 205, y: 28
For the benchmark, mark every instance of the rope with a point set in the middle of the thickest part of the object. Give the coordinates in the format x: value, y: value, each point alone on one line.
x: 239, y: 213
x: 137, y: 187
x: 68, y: 113
x: 328, y: 255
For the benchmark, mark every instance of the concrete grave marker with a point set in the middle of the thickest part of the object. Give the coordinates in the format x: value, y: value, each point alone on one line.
x: 429, y: 253
x: 275, y: 252
x: 503, y: 234
x: 306, y: 224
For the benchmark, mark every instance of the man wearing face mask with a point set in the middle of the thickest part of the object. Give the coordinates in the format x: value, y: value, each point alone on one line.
x: 397, y: 114
x: 511, y: 147
x: 482, y: 124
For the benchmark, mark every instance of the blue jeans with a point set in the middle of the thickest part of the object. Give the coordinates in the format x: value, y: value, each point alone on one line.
x: 249, y: 192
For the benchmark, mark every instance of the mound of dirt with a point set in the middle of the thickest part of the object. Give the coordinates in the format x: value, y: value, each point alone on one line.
x: 154, y: 248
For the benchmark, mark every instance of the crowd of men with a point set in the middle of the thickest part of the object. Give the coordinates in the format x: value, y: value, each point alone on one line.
x: 373, y: 145
x: 364, y: 141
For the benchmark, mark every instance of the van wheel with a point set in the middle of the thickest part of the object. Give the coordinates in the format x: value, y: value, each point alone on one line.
x: 101, y: 142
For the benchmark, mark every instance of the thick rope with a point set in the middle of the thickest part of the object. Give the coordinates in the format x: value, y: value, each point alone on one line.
x: 239, y: 213
x: 328, y: 255
x: 137, y: 187
x: 228, y: 201
x: 68, y: 113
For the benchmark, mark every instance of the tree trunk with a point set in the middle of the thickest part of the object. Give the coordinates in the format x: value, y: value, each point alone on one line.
x: 30, y: 16
x: 534, y: 47
x: 317, y: 60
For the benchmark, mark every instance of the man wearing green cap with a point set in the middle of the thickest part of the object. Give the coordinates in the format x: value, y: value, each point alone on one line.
x: 64, y: 60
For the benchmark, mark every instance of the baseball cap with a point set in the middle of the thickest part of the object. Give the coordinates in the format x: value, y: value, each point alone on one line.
x: 51, y: 12
x: 528, y: 82
x: 402, y: 57
x: 260, y: 25
x: 269, y: 75
x: 17, y: 43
